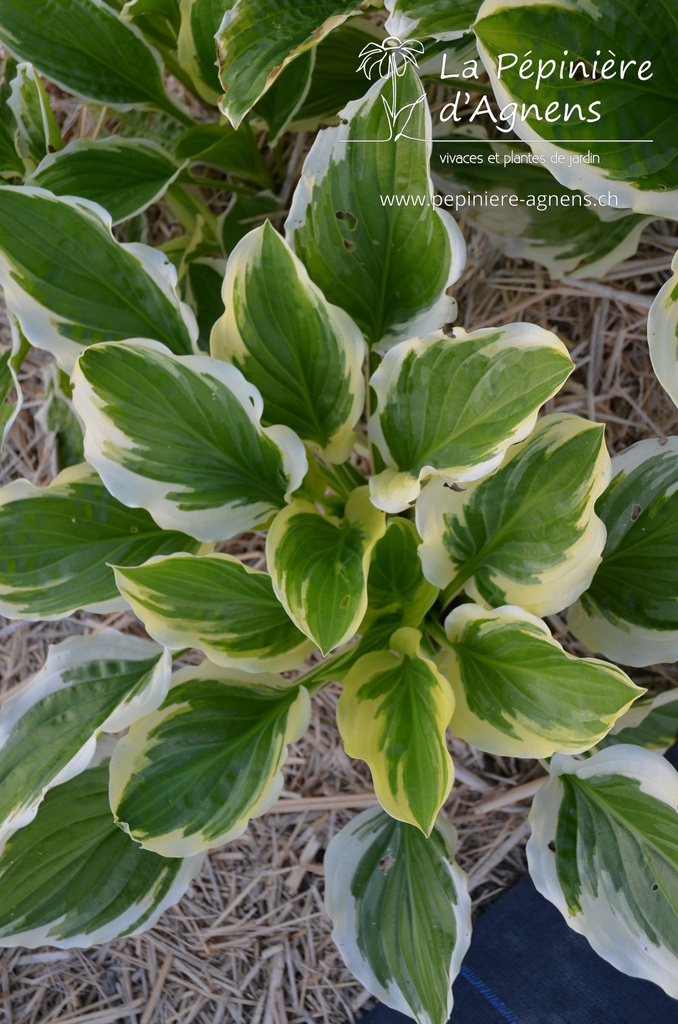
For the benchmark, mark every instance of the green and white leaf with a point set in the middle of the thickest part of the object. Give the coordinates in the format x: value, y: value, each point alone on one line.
x: 662, y: 333
x: 11, y: 362
x: 393, y: 713
x: 57, y: 416
x: 217, y: 604
x: 396, y: 586
x: 449, y: 406
x: 125, y: 176
x: 282, y: 101
x: 437, y: 18
x: 319, y: 565
x: 197, y: 47
x: 519, y: 694
x: 639, y: 168
x: 389, y: 267
x: 70, y: 283
x: 304, y: 355
x: 72, y: 878
x: 401, y: 911
x: 181, y: 437
x: 37, y: 131
x: 257, y: 39
x: 60, y: 541
x: 221, y: 146
x: 651, y: 723
x: 190, y: 776
x: 11, y: 164
x: 49, y: 726
x: 630, y: 611
x: 529, y: 534
x: 613, y: 874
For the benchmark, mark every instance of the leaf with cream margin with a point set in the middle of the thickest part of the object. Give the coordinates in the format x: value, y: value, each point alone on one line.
x: 49, y: 726
x: 529, y: 534
x: 197, y: 46
x: 662, y: 332
x: 625, y: 122
x: 401, y: 911
x: 217, y: 604
x: 604, y: 850
x: 319, y: 565
x: 388, y: 265
x: 60, y: 541
x: 630, y: 611
x: 37, y: 131
x: 519, y: 694
x: 393, y: 712
x: 304, y: 355
x: 72, y: 878
x: 181, y: 437
x: 652, y: 723
x: 449, y: 406
x: 437, y: 18
x: 69, y: 283
x: 189, y: 777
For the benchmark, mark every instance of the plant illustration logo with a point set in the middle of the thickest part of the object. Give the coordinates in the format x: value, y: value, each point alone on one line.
x: 390, y: 59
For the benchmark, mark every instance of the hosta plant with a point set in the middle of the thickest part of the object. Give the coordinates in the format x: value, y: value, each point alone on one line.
x: 422, y: 513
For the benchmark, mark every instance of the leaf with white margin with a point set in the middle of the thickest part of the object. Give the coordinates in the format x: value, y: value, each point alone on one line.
x: 217, y: 604
x: 450, y: 406
x: 388, y: 266
x: 197, y: 46
x: 125, y: 176
x: 60, y: 541
x: 257, y: 39
x: 49, y: 726
x: 181, y: 437
x: 396, y: 586
x: 70, y: 283
x: 37, y: 131
x: 519, y: 694
x: 604, y: 851
x: 72, y: 878
x: 630, y: 611
x: 662, y: 333
x: 190, y: 776
x: 393, y: 713
x: 401, y: 911
x: 640, y: 171
x: 529, y: 534
x: 11, y: 362
x: 58, y: 416
x: 304, y: 355
x: 651, y: 723
x: 437, y: 18
x: 319, y: 565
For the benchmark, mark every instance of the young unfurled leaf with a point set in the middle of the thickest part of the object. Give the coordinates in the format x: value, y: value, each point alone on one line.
x: 396, y: 586
x: 401, y: 912
x: 319, y: 566
x: 393, y: 712
x: 76, y: 529
x: 662, y: 332
x: 519, y: 694
x: 387, y: 264
x: 48, y: 727
x: 304, y: 355
x: 217, y: 604
x: 449, y: 406
x: 604, y: 850
x: 527, y: 535
x: 437, y: 18
x: 37, y: 131
x: 652, y: 722
x: 73, y: 878
x: 70, y: 284
x: 190, y: 776
x: 181, y: 437
x: 630, y: 611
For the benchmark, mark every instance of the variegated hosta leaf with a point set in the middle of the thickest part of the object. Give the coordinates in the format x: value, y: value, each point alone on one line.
x: 319, y: 566
x: 73, y: 878
x: 630, y: 611
x: 217, y: 604
x: 387, y: 265
x: 182, y: 438
x: 69, y: 283
x: 393, y: 712
x: 284, y: 98
x: 519, y: 694
x: 396, y: 586
x: 202, y: 283
x: 221, y: 146
x: 304, y: 355
x: 662, y: 332
x: 527, y: 535
x: 401, y: 911
x: 604, y: 850
x: 197, y: 47
x: 59, y: 542
x: 628, y: 57
x: 123, y: 175
x: 438, y: 18
x: 450, y: 407
x: 191, y: 775
x: 11, y: 362
x: 58, y: 416
x: 258, y: 38
x: 85, y: 48
x: 652, y: 723
x: 37, y: 131
x: 48, y: 727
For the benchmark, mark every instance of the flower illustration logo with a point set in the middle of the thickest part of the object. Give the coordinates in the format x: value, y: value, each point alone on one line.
x: 390, y: 59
